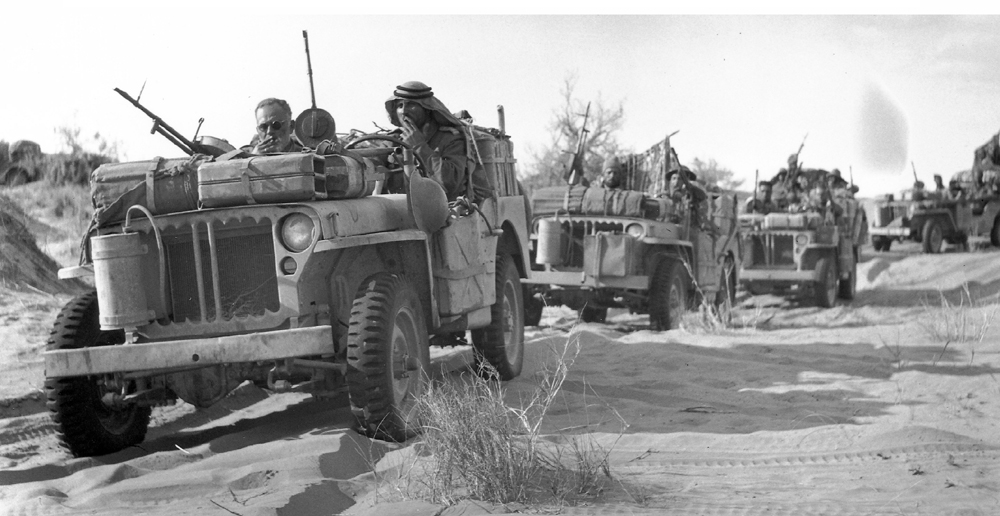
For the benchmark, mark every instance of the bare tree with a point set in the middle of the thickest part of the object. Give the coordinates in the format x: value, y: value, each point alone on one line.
x: 600, y: 141
x: 711, y: 173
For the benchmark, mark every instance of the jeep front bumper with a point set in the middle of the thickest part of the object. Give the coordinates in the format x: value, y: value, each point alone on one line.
x: 778, y: 276
x: 190, y: 353
x: 889, y: 231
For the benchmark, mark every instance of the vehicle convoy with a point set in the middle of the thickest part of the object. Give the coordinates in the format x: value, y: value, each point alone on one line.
x: 294, y: 271
x: 634, y: 246
x: 797, y: 247
x: 931, y: 217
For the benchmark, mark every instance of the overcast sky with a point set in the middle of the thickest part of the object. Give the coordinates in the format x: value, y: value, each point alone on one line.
x: 873, y: 93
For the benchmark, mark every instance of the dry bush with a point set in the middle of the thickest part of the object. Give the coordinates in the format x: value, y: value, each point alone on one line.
x: 966, y: 322
x: 476, y: 446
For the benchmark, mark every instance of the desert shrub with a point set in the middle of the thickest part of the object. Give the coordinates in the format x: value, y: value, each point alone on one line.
x: 476, y: 446
x: 967, y: 321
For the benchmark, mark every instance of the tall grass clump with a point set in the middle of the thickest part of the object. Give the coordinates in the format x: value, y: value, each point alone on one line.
x: 967, y: 321
x: 484, y: 449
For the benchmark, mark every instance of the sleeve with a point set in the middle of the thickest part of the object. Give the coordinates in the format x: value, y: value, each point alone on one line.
x: 445, y: 156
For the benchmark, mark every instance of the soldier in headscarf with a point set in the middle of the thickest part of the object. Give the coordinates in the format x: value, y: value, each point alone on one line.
x: 437, y: 138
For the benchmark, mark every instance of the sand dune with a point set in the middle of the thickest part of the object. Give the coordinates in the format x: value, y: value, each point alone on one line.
x: 857, y: 409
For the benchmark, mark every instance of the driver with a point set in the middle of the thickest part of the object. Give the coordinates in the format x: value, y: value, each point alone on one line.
x: 434, y: 134
x: 274, y: 128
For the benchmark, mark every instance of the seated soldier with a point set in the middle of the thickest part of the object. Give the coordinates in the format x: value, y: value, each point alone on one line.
x: 761, y: 201
x: 613, y: 175
x: 685, y: 191
x: 799, y: 194
x: 820, y: 200
x: 437, y: 137
x: 274, y: 129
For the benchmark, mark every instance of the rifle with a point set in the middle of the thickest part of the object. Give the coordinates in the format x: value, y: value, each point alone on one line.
x: 159, y: 126
x: 915, y: 179
x: 792, y: 173
x: 756, y: 188
x: 575, y: 171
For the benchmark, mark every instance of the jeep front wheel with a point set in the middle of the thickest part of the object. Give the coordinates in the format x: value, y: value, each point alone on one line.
x: 85, y: 424
x: 933, y: 235
x: 825, y: 288
x: 667, y: 295
x: 387, y: 356
x: 995, y: 233
x: 848, y: 287
x: 501, y: 344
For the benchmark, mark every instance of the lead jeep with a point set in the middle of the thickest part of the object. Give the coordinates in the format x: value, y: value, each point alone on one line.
x: 292, y: 271
x: 803, y: 253
x: 633, y: 247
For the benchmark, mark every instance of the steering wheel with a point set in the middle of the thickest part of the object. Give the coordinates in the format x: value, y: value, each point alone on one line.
x: 395, y: 141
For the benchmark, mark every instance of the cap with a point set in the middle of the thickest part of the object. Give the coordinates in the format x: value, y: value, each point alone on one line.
x: 413, y: 90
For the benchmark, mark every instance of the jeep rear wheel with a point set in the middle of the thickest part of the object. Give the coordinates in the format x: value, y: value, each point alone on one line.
x: 933, y: 236
x: 85, y: 424
x: 846, y: 288
x: 501, y: 344
x: 825, y: 288
x: 667, y: 295
x: 387, y: 356
x: 594, y: 314
x: 725, y: 297
x: 881, y: 243
x: 533, y: 306
x: 995, y: 233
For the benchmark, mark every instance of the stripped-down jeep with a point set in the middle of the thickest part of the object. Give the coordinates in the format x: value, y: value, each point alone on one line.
x: 963, y: 211
x: 632, y: 247
x: 805, y: 252
x: 292, y: 271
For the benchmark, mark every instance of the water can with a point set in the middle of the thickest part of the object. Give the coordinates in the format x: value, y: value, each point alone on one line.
x: 551, y: 242
x: 121, y: 299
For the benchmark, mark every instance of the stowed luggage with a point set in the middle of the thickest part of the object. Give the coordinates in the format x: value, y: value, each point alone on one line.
x: 160, y: 185
x: 262, y: 179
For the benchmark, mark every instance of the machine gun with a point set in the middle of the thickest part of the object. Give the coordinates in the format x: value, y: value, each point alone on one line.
x: 159, y: 126
x: 575, y: 172
x: 796, y: 167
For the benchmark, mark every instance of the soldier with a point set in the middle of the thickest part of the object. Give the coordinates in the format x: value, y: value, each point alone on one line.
x: 820, y: 200
x: 761, y: 202
x: 613, y: 175
x: 685, y: 191
x: 779, y: 190
x: 799, y: 194
x: 274, y: 129
x: 436, y: 137
x: 918, y: 191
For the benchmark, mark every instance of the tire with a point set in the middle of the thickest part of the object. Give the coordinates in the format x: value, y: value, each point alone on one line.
x: 725, y: 297
x: 846, y: 288
x: 17, y: 177
x: 501, y: 344
x: 825, y: 289
x: 932, y: 236
x: 668, y: 297
x: 533, y: 306
x: 593, y: 314
x: 85, y: 425
x: 995, y: 233
x: 881, y: 243
x: 387, y: 357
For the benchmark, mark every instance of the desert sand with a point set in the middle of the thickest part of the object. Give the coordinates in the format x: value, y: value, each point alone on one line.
x: 866, y: 408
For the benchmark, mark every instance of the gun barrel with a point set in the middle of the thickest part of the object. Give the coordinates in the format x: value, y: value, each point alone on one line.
x: 159, y: 126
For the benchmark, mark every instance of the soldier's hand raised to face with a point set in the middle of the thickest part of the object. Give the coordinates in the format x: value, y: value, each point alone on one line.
x: 412, y: 134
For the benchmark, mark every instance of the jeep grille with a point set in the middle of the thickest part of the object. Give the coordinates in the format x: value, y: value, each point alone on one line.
x: 233, y: 262
x: 770, y: 249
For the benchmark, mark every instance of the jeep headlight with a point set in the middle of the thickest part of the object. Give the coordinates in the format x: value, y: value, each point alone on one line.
x: 635, y: 230
x: 297, y: 232
x: 801, y: 239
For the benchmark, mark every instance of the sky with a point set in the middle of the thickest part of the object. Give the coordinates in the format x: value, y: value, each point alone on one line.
x: 874, y: 96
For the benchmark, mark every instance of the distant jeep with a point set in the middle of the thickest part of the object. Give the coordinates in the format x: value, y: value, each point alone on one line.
x: 632, y: 247
x: 805, y: 252
x: 20, y: 162
x: 955, y: 215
